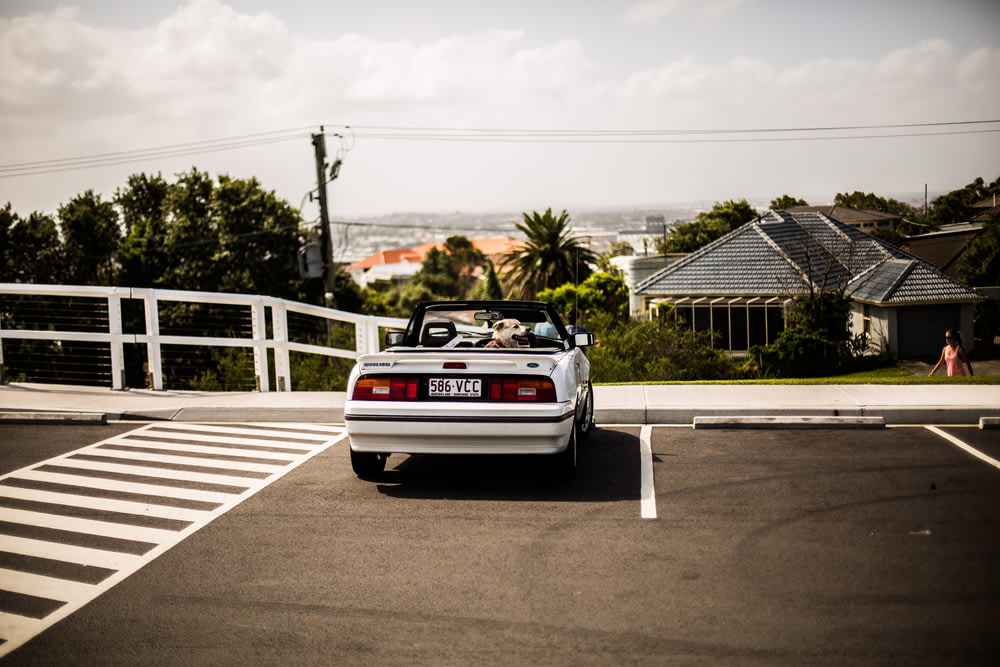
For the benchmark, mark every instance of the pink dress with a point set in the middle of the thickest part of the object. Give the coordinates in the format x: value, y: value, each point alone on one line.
x: 953, y: 361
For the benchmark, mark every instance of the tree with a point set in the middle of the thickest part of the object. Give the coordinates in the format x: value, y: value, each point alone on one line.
x: 708, y: 226
x: 956, y: 206
x: 785, y: 202
x: 980, y: 267
x: 258, y: 239
x: 191, y: 236
x: 91, y: 239
x: 488, y: 288
x: 30, y: 249
x: 600, y: 293
x: 551, y: 256
x: 143, y: 256
x: 868, y: 201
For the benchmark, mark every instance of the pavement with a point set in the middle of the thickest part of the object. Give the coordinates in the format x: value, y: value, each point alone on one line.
x: 697, y: 405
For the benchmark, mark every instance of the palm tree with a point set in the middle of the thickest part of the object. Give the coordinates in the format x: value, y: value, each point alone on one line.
x: 551, y: 256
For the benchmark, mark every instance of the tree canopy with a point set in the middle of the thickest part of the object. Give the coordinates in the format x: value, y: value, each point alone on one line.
x: 708, y: 226
x: 195, y: 233
x: 785, y: 202
x: 551, y: 256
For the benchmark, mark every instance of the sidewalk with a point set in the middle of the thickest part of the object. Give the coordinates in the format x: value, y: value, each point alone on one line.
x: 632, y: 404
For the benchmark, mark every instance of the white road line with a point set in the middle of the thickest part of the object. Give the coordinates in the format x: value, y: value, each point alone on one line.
x: 38, y: 585
x: 163, y: 473
x: 126, y: 487
x: 318, y: 432
x: 646, y: 493
x: 963, y: 446
x: 229, y: 440
x: 104, y: 504
x: 186, y: 460
x: 73, y: 524
x: 112, y: 560
x: 196, y: 449
x: 17, y: 629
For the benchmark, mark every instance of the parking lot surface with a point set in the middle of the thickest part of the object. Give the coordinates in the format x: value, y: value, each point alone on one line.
x: 767, y: 547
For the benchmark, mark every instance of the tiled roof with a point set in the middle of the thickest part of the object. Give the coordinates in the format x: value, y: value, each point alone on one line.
x: 394, y: 256
x: 786, y: 253
x: 846, y: 214
x: 491, y: 247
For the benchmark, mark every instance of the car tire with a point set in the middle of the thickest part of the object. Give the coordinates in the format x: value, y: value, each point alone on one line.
x: 585, y: 422
x: 368, y: 464
x: 565, y: 461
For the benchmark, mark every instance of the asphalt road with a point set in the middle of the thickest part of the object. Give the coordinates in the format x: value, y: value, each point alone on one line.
x: 767, y: 547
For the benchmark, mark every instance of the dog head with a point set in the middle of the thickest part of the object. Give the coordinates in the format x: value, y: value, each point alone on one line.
x: 510, y: 333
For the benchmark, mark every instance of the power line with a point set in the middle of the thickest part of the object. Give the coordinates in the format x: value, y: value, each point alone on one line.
x: 510, y: 135
x: 140, y: 155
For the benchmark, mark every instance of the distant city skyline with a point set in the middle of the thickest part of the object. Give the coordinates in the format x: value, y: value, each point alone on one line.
x: 445, y: 106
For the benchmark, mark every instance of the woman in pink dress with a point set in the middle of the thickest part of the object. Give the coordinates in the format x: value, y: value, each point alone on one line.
x: 953, y: 355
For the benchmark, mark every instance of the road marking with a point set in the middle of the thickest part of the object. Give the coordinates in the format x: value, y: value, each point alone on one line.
x: 963, y: 446
x: 646, y: 493
x: 74, y: 526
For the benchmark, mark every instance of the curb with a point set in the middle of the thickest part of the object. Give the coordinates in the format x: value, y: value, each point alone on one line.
x: 788, y: 422
x: 26, y: 417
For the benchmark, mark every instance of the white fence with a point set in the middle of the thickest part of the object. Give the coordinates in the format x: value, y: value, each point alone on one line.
x: 268, y: 317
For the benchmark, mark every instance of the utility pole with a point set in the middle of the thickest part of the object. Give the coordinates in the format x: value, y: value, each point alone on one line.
x: 326, y: 241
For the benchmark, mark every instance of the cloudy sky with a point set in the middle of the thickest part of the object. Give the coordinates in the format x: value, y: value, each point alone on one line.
x: 460, y: 105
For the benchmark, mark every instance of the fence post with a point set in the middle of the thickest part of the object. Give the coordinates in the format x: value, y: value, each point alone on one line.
x: 366, y: 336
x: 258, y: 323
x: 154, y: 359
x: 279, y: 327
x: 115, y: 339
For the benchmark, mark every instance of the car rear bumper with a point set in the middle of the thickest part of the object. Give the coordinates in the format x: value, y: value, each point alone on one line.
x: 464, y: 428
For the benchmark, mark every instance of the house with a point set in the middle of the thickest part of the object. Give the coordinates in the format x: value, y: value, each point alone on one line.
x: 742, y: 284
x: 399, y: 265
x: 944, y: 248
x: 864, y: 220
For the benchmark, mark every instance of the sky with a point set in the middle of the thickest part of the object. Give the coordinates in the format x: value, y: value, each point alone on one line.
x: 514, y: 106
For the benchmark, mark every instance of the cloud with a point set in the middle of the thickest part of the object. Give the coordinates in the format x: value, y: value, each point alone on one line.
x: 930, y: 81
x: 209, y: 71
x: 652, y: 11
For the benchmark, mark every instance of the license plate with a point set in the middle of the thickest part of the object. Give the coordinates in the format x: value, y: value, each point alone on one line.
x: 454, y: 387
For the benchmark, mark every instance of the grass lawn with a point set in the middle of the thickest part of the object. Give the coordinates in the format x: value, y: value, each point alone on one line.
x: 893, y: 375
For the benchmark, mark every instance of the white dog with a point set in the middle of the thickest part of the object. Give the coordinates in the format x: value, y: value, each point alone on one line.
x: 509, y: 333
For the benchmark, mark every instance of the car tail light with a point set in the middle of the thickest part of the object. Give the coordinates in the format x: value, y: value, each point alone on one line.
x: 538, y: 390
x: 385, y: 389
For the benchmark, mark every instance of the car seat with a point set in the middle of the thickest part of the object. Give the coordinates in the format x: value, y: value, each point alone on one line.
x: 437, y: 332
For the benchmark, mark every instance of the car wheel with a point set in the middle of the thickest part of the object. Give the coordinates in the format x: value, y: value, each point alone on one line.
x: 585, y: 422
x: 368, y: 464
x: 565, y: 461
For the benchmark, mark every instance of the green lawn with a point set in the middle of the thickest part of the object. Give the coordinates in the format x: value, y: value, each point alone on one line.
x: 893, y: 375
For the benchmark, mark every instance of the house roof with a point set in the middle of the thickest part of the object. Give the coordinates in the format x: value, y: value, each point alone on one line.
x: 491, y: 247
x: 850, y: 216
x: 785, y: 253
x: 394, y: 256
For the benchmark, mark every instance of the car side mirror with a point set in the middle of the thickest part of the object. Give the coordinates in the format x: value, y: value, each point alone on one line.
x: 583, y: 339
x: 393, y: 338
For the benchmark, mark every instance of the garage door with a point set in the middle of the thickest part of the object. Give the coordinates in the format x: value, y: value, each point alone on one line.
x: 921, y: 329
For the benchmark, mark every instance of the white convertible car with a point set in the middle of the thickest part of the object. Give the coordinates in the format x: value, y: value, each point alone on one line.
x: 443, y: 387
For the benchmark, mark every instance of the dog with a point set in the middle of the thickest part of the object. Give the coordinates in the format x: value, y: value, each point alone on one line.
x: 509, y: 333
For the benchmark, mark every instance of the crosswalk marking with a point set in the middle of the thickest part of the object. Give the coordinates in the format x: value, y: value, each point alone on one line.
x: 73, y: 526
x: 136, y: 488
x: 106, y: 504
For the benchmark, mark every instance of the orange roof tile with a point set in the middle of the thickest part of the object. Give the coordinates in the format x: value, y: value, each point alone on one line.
x: 394, y: 256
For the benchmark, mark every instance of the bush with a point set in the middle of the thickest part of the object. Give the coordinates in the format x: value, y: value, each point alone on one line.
x: 653, y: 351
